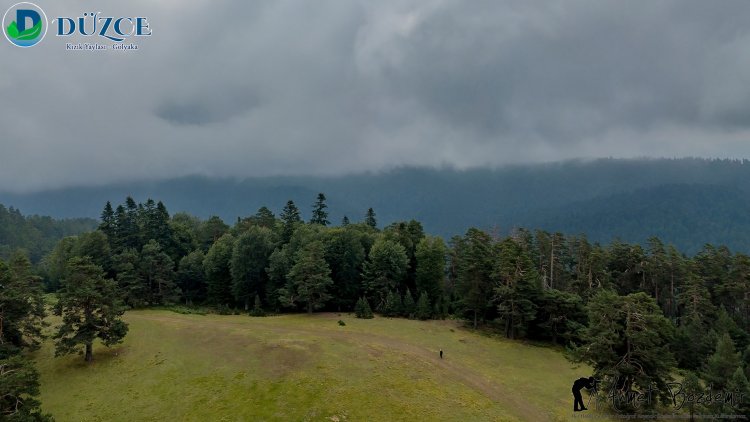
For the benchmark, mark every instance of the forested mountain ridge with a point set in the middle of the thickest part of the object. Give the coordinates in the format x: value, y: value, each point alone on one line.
x: 36, y: 234
x: 687, y: 202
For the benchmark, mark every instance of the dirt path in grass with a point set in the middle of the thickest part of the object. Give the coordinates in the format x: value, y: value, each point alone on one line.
x: 508, y: 399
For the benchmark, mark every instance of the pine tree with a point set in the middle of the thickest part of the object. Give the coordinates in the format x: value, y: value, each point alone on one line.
x: 627, y: 345
x: 290, y: 218
x: 265, y: 218
x: 739, y: 386
x: 721, y: 365
x: 319, y: 213
x: 309, y: 279
x: 424, y: 309
x: 362, y: 309
x: 127, y: 266
x: 210, y: 231
x: 22, y: 315
x: 473, y: 261
x: 392, y: 305
x: 157, y: 271
x: 90, y: 307
x: 370, y: 220
x: 19, y: 389
x: 21, y: 307
x: 345, y: 221
x: 517, y: 290
x: 108, y: 223
x: 691, y: 387
x: 409, y: 306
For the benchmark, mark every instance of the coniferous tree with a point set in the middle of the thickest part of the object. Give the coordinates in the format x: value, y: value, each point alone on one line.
x: 127, y: 266
x: 21, y: 307
x: 22, y: 315
x: 345, y: 221
x: 265, y: 218
x: 319, y: 213
x: 691, y: 387
x: 384, y: 269
x: 517, y: 289
x: 409, y: 306
x: 279, y: 264
x: 430, y: 271
x: 627, y: 344
x: 19, y: 389
x: 474, y: 258
x: 309, y: 279
x: 424, y: 309
x: 191, y: 278
x: 739, y: 386
x: 250, y: 256
x: 362, y: 309
x: 722, y: 363
x: 210, y: 231
x: 345, y: 255
x: 157, y: 271
x: 90, y: 307
x: 370, y: 220
x: 217, y: 266
x: 108, y: 223
x: 290, y: 218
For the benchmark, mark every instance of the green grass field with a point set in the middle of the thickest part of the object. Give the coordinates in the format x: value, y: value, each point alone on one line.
x: 175, y: 367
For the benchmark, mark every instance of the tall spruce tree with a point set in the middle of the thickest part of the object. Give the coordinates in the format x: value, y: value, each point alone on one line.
x: 319, y: 213
x: 370, y: 220
x: 474, y: 261
x: 290, y: 218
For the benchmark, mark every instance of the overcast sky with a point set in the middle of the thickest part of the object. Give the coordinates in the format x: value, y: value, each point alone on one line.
x: 269, y: 87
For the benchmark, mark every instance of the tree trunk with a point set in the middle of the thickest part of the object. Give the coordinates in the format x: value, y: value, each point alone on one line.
x: 89, y: 352
x: 309, y: 308
x: 475, y: 319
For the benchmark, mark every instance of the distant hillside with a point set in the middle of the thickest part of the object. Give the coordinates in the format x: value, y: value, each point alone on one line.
x: 685, y: 201
x: 686, y: 215
x: 36, y: 234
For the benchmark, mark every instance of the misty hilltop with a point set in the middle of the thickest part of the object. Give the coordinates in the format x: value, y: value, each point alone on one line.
x: 687, y: 202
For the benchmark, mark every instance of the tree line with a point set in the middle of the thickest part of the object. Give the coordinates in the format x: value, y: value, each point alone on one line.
x: 636, y: 314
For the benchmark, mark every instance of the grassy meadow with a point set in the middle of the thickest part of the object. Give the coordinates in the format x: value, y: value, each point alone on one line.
x: 175, y: 367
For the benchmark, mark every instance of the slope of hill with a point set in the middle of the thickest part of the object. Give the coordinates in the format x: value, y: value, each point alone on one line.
x: 686, y: 215
x: 295, y: 367
x: 685, y: 201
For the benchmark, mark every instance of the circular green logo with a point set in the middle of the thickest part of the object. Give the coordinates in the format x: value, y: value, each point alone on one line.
x: 25, y: 24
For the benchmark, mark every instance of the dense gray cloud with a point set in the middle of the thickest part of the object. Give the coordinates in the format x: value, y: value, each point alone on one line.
x: 268, y: 87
